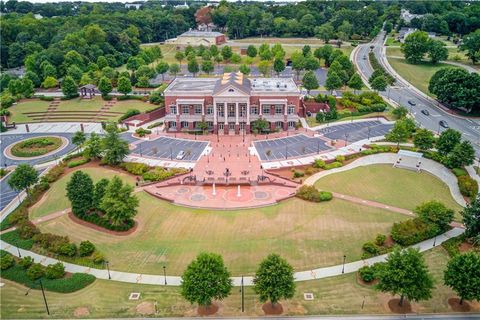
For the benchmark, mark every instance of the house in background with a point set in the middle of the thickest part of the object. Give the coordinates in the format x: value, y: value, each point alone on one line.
x: 196, y: 38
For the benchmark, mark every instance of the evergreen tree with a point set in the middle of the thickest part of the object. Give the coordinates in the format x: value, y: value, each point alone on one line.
x: 355, y: 82
x: 124, y: 85
x: 105, y: 86
x: 251, y: 51
x: 448, y: 140
x: 69, y: 87
x: 471, y: 217
x: 99, y: 191
x: 114, y: 148
x: 80, y: 193
x: 118, y: 203
x: 162, y: 68
x: 310, y: 81
x: 23, y: 177
x: 278, y: 66
x: 333, y: 81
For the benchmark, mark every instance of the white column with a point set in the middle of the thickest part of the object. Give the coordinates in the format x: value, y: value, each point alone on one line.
x: 214, y: 111
x: 286, y: 108
x: 236, y: 113
x: 248, y: 112
x: 225, y: 112
x: 178, y: 108
x: 203, y: 108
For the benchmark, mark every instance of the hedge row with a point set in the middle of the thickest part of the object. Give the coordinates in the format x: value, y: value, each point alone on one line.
x: 79, y: 162
x: 105, y: 223
x: 310, y: 193
x: 377, y: 66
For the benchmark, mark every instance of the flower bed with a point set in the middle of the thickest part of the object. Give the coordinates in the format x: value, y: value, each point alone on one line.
x: 35, y: 147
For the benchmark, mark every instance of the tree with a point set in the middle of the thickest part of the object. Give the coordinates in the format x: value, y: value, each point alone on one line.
x: 415, y: 46
x: 23, y: 178
x: 264, y: 52
x: 462, y: 155
x: 274, y: 280
x: 226, y: 53
x: 105, y: 86
x: 324, y: 32
x: 448, y: 140
x: 174, y: 68
x: 264, y: 67
x: 355, y: 82
x: 80, y: 193
x: 324, y: 53
x: 400, y: 112
x: 333, y: 81
x: 207, y: 66
x: 463, y: 276
x: 379, y: 83
x: 49, y: 82
x: 306, y: 50
x: 399, y: 132
x: 118, y: 203
x: 437, y: 51
x: 406, y: 274
x: 93, y: 147
x: 115, y: 149
x: 311, y: 63
x: 278, y: 66
x: 99, y: 191
x: 124, y: 85
x: 179, y: 56
x: 310, y: 81
x: 193, y: 67
x: 162, y: 68
x: 205, y: 279
x: 244, y: 69
x: 471, y: 44
x: 251, y: 51
x: 79, y: 138
x: 471, y: 217
x: 235, y: 59
x: 424, y: 139
x: 437, y: 213
x: 298, y: 62
x: 69, y: 87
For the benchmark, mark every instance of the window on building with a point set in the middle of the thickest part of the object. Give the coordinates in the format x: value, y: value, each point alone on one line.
x: 198, y: 109
x: 265, y: 109
x: 210, y: 110
x: 279, y: 125
x: 184, y: 124
x: 173, y: 124
x: 210, y: 124
x: 291, y: 124
x: 243, y: 110
x: 231, y: 110
x: 173, y: 109
x: 291, y: 109
x: 278, y: 109
x: 220, y: 110
x: 185, y: 110
x: 253, y: 110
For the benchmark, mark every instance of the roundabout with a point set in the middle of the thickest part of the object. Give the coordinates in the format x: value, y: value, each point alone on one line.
x: 35, y: 148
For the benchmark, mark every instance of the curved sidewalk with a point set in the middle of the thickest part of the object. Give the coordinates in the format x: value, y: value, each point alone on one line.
x: 428, y: 165
x: 307, y: 275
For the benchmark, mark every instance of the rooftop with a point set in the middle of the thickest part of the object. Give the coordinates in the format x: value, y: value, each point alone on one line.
x: 197, y: 33
x: 273, y: 84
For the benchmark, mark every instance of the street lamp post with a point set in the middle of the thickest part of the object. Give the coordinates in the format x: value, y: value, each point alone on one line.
x: 343, y: 266
x: 171, y: 154
x: 318, y: 146
x: 165, y: 274
x: 286, y: 152
x: 44, y: 298
x: 346, y: 139
x: 243, y: 296
x: 19, y: 254
x: 435, y: 240
x: 368, y: 138
x: 108, y: 269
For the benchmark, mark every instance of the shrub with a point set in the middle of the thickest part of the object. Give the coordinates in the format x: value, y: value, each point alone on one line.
x: 55, y: 271
x: 76, y: 163
x: 367, y: 273
x: 298, y: 174
x: 380, y: 239
x: 54, y: 173
x: 128, y: 114
x: 310, y: 193
x: 452, y: 245
x: 86, y: 248
x: 67, y: 249
x: 26, y: 229
x: 319, y: 163
x: 97, y: 257
x: 468, y: 186
x: 45, y: 98
x: 155, y: 124
x: 333, y: 165
x: 412, y: 231
x: 340, y: 158
x: 14, y: 239
x: 135, y: 168
x: 325, y: 196
x: 142, y: 132
x: 309, y: 171
x: 157, y: 174
x: 6, y: 261
x: 371, y: 248
x: 35, y: 271
x: 26, y: 262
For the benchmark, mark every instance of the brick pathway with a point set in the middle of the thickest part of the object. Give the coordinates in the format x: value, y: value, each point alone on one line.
x: 372, y: 204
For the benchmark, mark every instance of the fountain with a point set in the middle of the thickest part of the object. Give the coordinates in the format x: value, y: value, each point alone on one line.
x: 214, y: 192
x: 238, y: 191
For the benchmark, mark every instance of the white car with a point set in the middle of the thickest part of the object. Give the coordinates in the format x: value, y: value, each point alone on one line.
x: 181, y: 155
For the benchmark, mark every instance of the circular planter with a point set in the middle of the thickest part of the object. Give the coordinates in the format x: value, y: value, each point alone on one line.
x: 36, y: 147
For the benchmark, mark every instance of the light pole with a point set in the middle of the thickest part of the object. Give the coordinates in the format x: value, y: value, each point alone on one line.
x: 171, y: 154
x: 318, y: 146
x: 368, y: 138
x: 44, y: 298
x: 19, y: 254
x: 435, y: 240
x: 346, y: 139
x: 243, y: 296
x: 165, y: 274
x: 286, y: 152
x: 343, y: 266
x: 108, y: 269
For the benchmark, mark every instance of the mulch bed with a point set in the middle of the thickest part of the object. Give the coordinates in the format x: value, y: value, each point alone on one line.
x: 364, y: 283
x: 394, y: 306
x: 454, y: 303
x: 271, y: 309
x: 465, y: 247
x: 101, y: 229
x: 207, y: 311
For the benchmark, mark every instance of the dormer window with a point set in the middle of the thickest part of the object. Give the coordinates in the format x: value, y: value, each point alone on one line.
x: 231, y: 90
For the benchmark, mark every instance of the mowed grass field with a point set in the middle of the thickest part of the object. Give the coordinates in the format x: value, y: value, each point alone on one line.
x: 336, y: 295
x: 56, y: 197
x: 308, y: 235
x: 24, y: 106
x: 392, y: 186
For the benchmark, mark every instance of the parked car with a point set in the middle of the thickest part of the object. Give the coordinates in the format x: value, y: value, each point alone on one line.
x: 444, y: 124
x: 181, y: 155
x: 425, y: 112
x: 364, y: 57
x: 309, y: 114
x: 412, y: 103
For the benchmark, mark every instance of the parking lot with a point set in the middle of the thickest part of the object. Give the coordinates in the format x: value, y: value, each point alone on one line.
x: 168, y: 148
x: 355, y: 131
x: 8, y: 194
x: 8, y: 139
x: 289, y: 147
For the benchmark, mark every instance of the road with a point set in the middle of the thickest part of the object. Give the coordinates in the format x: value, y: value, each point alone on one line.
x: 402, y: 92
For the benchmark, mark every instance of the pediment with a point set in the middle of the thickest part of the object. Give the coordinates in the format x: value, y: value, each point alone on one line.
x: 231, y: 91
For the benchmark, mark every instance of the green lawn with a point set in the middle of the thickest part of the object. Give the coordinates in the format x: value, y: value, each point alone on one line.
x: 312, y: 121
x: 124, y: 105
x: 55, y: 199
x: 307, y: 234
x: 80, y: 104
x: 24, y: 106
x: 337, y: 295
x: 393, y: 186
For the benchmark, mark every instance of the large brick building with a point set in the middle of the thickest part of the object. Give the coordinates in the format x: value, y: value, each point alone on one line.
x: 196, y: 38
x: 231, y: 103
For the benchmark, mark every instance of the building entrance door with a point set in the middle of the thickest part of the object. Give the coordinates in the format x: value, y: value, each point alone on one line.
x: 231, y: 126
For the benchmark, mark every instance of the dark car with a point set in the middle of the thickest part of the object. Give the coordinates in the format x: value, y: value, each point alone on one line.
x: 412, y: 103
x: 425, y: 112
x: 309, y: 114
x: 444, y: 124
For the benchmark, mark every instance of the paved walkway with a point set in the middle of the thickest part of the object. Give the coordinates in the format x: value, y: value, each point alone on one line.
x: 372, y: 204
x: 306, y: 275
x: 428, y: 165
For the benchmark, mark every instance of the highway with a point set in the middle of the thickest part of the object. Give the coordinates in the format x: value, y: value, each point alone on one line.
x: 402, y: 92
